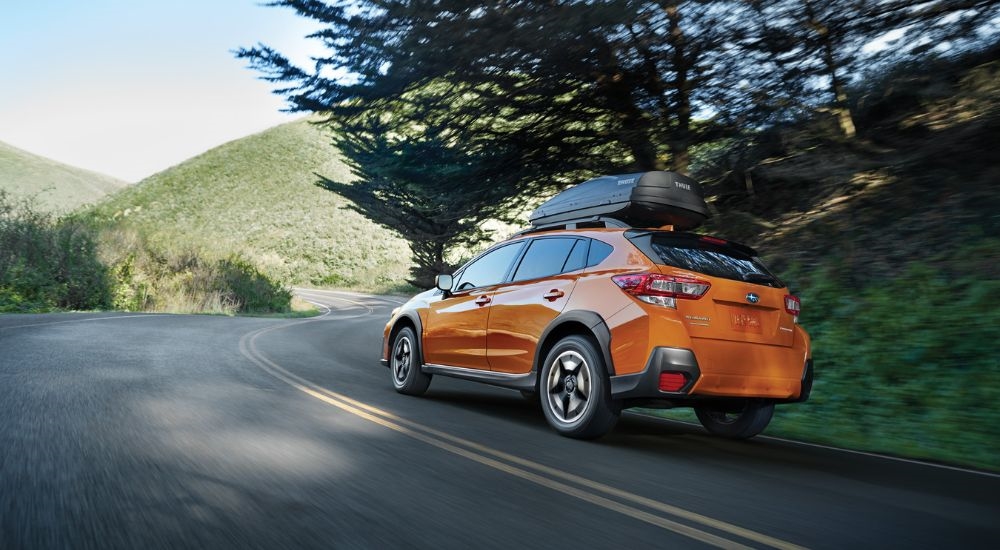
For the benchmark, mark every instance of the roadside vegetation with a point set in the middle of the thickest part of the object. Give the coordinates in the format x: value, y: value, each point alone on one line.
x: 61, y: 264
x: 47, y: 264
x: 905, y: 365
x: 891, y: 242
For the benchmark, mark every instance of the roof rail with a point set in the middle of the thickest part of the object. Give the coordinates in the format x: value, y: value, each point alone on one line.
x: 577, y: 223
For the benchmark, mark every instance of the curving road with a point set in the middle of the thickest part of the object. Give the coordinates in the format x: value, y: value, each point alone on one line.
x: 167, y: 431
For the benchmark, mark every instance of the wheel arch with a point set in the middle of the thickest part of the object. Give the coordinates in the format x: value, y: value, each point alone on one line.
x: 581, y: 322
x: 412, y: 320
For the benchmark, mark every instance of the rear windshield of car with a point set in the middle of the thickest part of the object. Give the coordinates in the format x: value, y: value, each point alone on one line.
x: 713, y: 257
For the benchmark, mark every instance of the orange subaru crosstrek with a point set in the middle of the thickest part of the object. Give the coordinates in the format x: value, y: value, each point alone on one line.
x: 591, y: 315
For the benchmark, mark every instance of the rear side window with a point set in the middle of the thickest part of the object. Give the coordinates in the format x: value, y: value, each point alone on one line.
x: 715, y: 259
x: 544, y: 257
x: 598, y: 252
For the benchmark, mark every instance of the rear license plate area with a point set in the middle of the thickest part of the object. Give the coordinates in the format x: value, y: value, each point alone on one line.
x: 745, y: 320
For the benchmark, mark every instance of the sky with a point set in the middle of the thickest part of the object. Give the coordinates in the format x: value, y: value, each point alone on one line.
x: 129, y: 88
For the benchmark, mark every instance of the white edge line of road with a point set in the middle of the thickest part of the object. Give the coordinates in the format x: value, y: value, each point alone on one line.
x: 838, y: 449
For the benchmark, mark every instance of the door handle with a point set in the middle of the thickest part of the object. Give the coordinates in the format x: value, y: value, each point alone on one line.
x: 553, y: 294
x: 483, y: 300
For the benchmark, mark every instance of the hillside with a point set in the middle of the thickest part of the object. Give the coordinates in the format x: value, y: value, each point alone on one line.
x: 258, y: 196
x: 57, y: 187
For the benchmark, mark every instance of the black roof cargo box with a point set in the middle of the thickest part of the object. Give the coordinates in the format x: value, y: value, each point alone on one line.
x: 646, y: 199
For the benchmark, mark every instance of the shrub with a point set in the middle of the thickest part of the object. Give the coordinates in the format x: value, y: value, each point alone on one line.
x: 46, y: 263
x: 171, y: 276
x: 49, y: 264
x: 904, y: 365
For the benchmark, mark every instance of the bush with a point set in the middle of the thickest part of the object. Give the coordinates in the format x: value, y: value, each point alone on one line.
x: 170, y: 276
x: 47, y: 264
x: 251, y: 290
x: 906, y: 366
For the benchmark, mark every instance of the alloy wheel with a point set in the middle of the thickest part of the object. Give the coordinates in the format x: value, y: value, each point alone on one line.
x: 569, y: 387
x: 402, y: 358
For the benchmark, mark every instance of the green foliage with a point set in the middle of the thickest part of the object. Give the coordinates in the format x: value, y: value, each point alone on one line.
x: 435, y: 195
x: 45, y: 263
x: 243, y: 284
x: 907, y: 365
x: 50, y: 264
x: 179, y: 278
x: 515, y: 99
x: 574, y: 86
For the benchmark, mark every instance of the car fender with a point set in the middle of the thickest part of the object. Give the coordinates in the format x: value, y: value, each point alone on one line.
x: 413, y: 317
x: 589, y: 319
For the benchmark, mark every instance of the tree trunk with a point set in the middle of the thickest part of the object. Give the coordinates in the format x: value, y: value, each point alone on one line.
x: 840, y: 107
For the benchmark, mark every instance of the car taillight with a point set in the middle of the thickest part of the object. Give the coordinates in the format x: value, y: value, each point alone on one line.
x: 793, y: 306
x: 662, y: 290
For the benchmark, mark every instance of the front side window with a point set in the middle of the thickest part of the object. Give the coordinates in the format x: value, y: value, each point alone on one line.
x: 488, y: 269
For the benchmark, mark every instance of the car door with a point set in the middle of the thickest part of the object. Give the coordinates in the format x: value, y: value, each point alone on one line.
x: 536, y: 294
x: 455, y: 328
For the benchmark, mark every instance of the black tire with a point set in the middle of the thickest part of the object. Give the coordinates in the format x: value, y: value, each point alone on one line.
x: 574, y: 390
x: 404, y: 364
x: 741, y: 419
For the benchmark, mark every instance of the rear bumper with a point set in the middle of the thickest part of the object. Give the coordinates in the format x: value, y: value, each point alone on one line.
x: 645, y: 385
x: 807, y: 383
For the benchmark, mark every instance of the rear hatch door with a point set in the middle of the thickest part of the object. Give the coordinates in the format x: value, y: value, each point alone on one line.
x: 745, y: 301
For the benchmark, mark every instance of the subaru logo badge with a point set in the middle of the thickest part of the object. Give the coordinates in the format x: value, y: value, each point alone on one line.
x: 753, y: 298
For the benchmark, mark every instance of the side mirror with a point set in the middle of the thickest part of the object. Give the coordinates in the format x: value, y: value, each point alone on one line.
x: 443, y: 282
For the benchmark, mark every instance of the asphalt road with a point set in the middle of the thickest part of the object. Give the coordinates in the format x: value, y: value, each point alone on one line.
x: 168, y: 431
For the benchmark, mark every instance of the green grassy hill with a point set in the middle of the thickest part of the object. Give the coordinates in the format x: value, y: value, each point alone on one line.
x: 257, y: 196
x: 55, y: 186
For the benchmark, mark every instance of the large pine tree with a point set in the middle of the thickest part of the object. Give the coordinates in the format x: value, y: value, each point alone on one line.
x: 451, y: 111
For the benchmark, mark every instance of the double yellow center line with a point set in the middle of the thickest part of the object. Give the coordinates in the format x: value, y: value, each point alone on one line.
x: 629, y: 504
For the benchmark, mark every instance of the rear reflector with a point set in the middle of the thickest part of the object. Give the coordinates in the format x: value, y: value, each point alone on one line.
x: 672, y: 381
x: 662, y: 290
